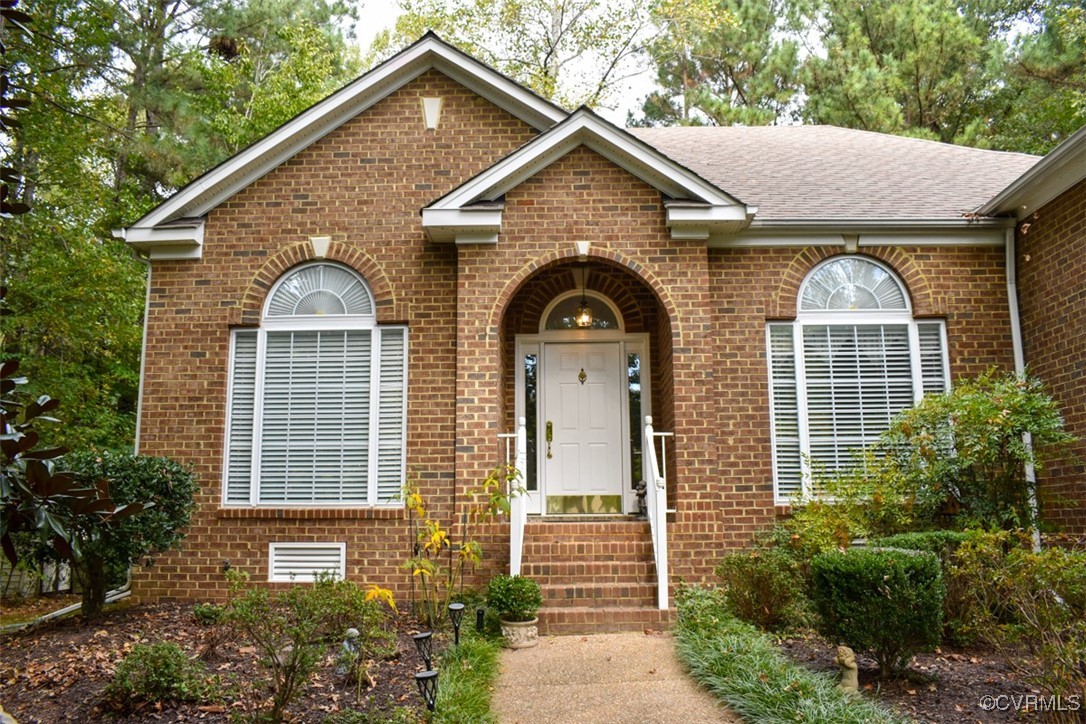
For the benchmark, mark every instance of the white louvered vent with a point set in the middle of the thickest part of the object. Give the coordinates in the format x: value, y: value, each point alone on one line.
x: 301, y: 562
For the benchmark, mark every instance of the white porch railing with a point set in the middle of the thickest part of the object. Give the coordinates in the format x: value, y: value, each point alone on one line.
x: 516, y: 454
x: 656, y: 505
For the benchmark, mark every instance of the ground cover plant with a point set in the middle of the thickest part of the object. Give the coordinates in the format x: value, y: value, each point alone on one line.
x: 746, y: 669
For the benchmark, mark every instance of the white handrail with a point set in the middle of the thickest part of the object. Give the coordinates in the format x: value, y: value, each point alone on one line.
x: 518, y: 500
x: 656, y: 505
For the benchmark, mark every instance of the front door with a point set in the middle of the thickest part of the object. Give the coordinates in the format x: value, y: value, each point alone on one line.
x: 582, y: 446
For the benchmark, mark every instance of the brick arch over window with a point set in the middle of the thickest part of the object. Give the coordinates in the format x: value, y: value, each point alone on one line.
x: 387, y: 307
x: 924, y: 303
x: 613, y: 258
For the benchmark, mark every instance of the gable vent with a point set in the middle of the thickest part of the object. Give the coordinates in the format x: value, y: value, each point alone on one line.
x: 301, y: 562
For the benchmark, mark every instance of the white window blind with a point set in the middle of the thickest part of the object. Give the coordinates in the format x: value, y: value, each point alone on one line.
x: 851, y: 361
x: 318, y: 400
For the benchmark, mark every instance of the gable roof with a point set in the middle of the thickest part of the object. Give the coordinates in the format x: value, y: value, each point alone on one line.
x: 829, y: 173
x: 1062, y: 168
x: 177, y: 219
x: 471, y: 212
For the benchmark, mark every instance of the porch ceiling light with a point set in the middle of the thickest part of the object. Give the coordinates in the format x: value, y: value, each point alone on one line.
x: 427, y: 682
x: 583, y: 317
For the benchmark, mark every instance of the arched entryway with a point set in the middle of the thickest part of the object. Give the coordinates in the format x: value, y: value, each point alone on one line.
x: 584, y: 389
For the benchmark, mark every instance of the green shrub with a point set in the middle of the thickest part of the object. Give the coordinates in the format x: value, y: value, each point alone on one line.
x: 884, y: 602
x: 763, y: 587
x: 940, y: 542
x: 974, y: 575
x: 158, y: 672
x: 294, y: 628
x: 747, y: 670
x: 515, y: 598
x: 208, y: 614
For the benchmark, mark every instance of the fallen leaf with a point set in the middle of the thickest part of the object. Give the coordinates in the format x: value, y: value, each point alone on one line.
x: 213, y: 709
x: 911, y: 692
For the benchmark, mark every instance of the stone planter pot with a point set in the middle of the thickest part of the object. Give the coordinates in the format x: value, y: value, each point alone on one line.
x: 520, y: 634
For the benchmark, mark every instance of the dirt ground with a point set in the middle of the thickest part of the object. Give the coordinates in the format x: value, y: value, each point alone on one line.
x: 950, y: 685
x: 58, y: 672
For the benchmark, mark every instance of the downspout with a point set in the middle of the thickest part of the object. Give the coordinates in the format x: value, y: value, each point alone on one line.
x: 1020, y: 370
x: 122, y: 235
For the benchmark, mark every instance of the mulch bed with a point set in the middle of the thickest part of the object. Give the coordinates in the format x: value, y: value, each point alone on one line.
x: 58, y: 672
x: 950, y: 685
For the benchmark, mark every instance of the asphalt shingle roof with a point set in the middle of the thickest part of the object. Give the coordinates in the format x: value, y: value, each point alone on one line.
x: 824, y: 172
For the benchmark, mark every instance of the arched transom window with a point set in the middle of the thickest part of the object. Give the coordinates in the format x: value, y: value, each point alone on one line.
x: 317, y: 409
x: 853, y: 359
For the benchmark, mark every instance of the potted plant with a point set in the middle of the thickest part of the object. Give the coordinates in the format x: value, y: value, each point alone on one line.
x: 516, y: 600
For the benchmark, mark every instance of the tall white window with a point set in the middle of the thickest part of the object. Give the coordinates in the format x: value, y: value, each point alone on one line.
x: 318, y: 397
x: 853, y: 359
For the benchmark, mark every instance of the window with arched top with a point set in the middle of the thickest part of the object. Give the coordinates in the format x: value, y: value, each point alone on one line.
x: 851, y: 361
x: 318, y: 397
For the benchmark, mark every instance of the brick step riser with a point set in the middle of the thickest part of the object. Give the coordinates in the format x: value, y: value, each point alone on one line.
x: 551, y: 549
x: 559, y: 578
x: 602, y: 595
x: 568, y: 621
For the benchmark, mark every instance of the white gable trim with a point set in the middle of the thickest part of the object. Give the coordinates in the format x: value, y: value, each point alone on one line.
x: 1061, y: 169
x: 430, y: 52
x: 704, y: 206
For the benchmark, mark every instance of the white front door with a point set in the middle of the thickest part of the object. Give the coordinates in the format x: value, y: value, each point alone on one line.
x: 583, y: 450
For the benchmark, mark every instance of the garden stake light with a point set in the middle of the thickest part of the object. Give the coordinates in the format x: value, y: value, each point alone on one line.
x: 479, y: 613
x: 456, y: 615
x: 427, y: 682
x: 425, y: 644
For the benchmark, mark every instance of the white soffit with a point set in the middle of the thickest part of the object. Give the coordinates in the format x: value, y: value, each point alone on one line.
x: 700, y: 205
x: 867, y: 233
x: 430, y: 52
x: 1061, y: 169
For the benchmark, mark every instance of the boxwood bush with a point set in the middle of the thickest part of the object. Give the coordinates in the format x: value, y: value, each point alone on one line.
x: 763, y: 587
x: 884, y: 602
x: 940, y: 542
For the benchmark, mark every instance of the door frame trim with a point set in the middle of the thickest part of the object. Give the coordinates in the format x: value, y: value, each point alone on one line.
x: 533, y: 344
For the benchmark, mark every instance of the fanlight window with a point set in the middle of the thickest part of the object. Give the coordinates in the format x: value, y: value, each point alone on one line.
x: 318, y: 398
x: 851, y: 361
x: 320, y: 290
x: 563, y: 315
x: 852, y: 284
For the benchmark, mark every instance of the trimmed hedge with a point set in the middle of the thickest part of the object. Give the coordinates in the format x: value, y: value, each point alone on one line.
x: 884, y: 602
x: 763, y: 587
x: 940, y: 542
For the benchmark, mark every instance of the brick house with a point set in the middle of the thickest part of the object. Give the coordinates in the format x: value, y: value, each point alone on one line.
x: 1048, y: 203
x: 435, y: 270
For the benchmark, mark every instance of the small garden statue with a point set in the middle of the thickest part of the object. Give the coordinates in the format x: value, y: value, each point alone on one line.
x: 850, y: 672
x: 348, y: 652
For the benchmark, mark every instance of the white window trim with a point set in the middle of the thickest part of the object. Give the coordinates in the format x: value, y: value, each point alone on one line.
x: 845, y: 317
x: 308, y: 323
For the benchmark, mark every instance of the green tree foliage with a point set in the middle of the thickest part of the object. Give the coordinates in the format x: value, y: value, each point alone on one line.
x: 130, y: 100
x: 721, y: 62
x: 920, y: 67
x: 166, y: 488
x: 575, y: 52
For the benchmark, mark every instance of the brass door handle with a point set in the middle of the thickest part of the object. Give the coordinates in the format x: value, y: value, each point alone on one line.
x: 550, y: 437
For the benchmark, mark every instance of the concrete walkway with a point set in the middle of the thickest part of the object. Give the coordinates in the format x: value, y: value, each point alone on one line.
x: 612, y: 678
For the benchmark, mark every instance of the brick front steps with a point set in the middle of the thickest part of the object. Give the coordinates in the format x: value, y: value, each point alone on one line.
x: 597, y: 575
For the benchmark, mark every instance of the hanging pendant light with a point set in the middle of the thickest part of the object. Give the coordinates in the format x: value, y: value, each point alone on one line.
x: 583, y: 318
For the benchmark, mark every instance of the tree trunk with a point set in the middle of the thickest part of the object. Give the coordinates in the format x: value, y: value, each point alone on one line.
x: 92, y: 577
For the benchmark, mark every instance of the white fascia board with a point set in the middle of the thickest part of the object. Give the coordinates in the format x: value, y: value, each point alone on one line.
x: 223, y: 181
x: 867, y: 233
x: 586, y: 129
x: 166, y: 242
x: 1061, y: 169
x: 448, y: 225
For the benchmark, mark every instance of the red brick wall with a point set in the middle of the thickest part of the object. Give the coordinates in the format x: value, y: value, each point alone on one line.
x: 363, y: 185
x: 1051, y: 251
x: 963, y: 285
